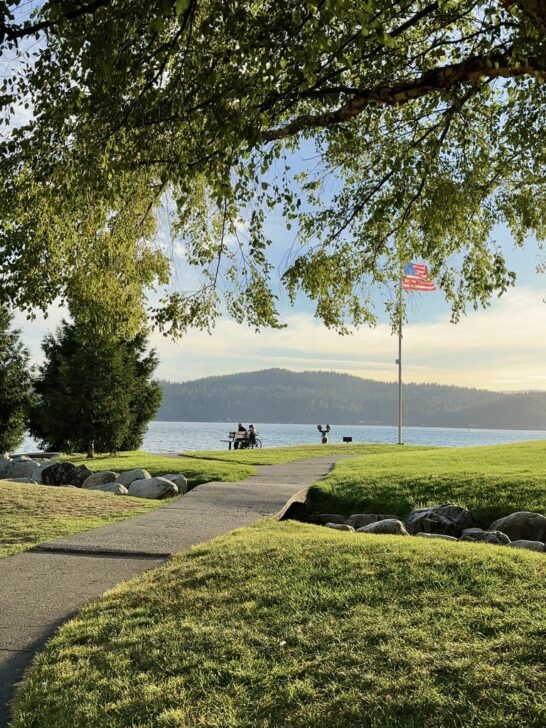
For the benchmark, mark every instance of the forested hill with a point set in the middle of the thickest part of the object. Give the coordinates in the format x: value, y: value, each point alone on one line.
x: 279, y: 395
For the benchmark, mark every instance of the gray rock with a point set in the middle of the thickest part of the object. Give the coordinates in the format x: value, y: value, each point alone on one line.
x: 443, y: 536
x: 128, y: 476
x: 25, y: 469
x: 522, y: 525
x: 45, y: 463
x: 5, y: 468
x: 447, y: 519
x: 105, y: 476
x: 359, y: 520
x: 22, y: 459
x: 116, y: 488
x: 154, y: 488
x: 471, y: 531
x: 65, y: 473
x: 340, y: 527
x: 387, y: 526
x: 179, y: 480
x: 22, y: 480
x: 323, y: 518
x: 530, y: 545
x: 495, y: 537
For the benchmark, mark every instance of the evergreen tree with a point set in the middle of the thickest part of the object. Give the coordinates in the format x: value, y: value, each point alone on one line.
x: 94, y: 395
x: 14, y: 384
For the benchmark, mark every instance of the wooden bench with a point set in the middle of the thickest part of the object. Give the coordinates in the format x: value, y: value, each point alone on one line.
x: 242, y: 441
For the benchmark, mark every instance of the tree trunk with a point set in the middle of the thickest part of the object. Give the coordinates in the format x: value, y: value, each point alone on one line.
x: 90, y: 449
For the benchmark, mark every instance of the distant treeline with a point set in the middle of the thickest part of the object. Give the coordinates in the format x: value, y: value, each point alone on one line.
x: 279, y: 395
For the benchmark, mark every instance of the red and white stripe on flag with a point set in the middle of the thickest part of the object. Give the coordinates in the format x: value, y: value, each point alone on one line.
x: 416, y: 278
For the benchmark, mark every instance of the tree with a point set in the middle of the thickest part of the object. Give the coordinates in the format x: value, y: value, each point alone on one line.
x: 94, y: 395
x: 15, y: 384
x: 424, y: 122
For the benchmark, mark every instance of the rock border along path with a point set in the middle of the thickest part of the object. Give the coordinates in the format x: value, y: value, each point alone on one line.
x: 42, y: 588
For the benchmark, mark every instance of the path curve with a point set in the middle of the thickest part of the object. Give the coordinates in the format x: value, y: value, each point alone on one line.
x: 44, y: 587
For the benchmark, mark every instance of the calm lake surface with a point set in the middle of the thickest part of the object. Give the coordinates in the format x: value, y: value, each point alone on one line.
x: 180, y: 436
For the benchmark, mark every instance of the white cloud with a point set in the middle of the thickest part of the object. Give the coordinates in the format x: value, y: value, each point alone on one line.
x: 500, y: 348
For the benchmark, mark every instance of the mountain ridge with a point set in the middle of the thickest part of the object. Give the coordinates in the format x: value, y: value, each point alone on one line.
x: 282, y: 396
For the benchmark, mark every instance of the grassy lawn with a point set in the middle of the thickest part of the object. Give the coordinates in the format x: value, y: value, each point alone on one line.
x: 32, y: 514
x: 195, y: 469
x: 490, y: 481
x: 296, y: 625
x: 280, y: 455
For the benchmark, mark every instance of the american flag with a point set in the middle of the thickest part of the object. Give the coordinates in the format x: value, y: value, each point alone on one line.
x: 416, y: 278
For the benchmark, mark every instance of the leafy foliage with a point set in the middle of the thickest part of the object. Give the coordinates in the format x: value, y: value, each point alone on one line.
x: 424, y: 122
x: 94, y: 394
x: 15, y: 384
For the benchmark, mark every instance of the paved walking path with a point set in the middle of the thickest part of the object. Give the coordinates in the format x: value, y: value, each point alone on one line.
x: 41, y: 589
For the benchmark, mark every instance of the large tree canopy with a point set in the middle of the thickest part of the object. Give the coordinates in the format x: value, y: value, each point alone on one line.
x: 423, y: 125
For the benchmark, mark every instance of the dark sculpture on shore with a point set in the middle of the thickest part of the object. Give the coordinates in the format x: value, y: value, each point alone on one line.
x: 324, y: 433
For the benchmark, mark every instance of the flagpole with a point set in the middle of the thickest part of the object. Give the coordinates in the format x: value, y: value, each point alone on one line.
x: 399, y: 362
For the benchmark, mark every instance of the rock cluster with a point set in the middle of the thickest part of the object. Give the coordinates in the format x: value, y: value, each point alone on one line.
x: 136, y: 482
x: 521, y: 530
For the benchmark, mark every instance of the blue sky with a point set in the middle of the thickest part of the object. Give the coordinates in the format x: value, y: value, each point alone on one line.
x: 502, y: 347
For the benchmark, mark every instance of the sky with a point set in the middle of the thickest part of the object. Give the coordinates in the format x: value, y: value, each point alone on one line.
x: 501, y: 348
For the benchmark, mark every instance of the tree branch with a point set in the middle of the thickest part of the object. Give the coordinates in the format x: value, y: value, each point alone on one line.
x: 495, y: 65
x: 13, y: 32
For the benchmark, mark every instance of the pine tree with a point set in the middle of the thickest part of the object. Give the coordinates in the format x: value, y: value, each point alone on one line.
x: 94, y: 395
x: 15, y: 384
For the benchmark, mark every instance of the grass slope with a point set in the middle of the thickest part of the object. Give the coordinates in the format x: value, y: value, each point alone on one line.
x: 490, y: 481
x: 196, y: 470
x: 32, y: 514
x: 280, y: 455
x: 295, y: 625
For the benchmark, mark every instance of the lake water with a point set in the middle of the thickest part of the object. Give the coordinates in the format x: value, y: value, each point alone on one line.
x: 180, y: 436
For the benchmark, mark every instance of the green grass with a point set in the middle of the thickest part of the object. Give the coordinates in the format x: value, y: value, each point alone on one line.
x: 32, y: 514
x: 296, y: 625
x: 490, y: 481
x: 280, y: 455
x: 196, y: 470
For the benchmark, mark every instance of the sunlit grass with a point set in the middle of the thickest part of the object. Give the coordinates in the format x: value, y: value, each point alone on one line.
x: 295, y: 625
x: 490, y: 481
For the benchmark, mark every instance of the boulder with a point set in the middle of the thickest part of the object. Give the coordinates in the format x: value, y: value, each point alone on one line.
x: 25, y: 469
x: 21, y: 459
x: 45, y: 463
x: 323, y: 518
x: 65, y: 474
x: 531, y: 545
x: 478, y: 536
x: 179, y: 480
x: 128, y: 476
x: 447, y: 519
x: 387, y: 526
x: 523, y: 525
x: 340, y: 527
x: 116, y: 488
x: 154, y: 488
x: 443, y: 536
x: 105, y: 476
x: 359, y: 520
x: 5, y: 468
x: 23, y: 480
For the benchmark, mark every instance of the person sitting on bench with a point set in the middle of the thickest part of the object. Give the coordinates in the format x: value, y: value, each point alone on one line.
x: 239, y: 435
x: 252, y: 435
